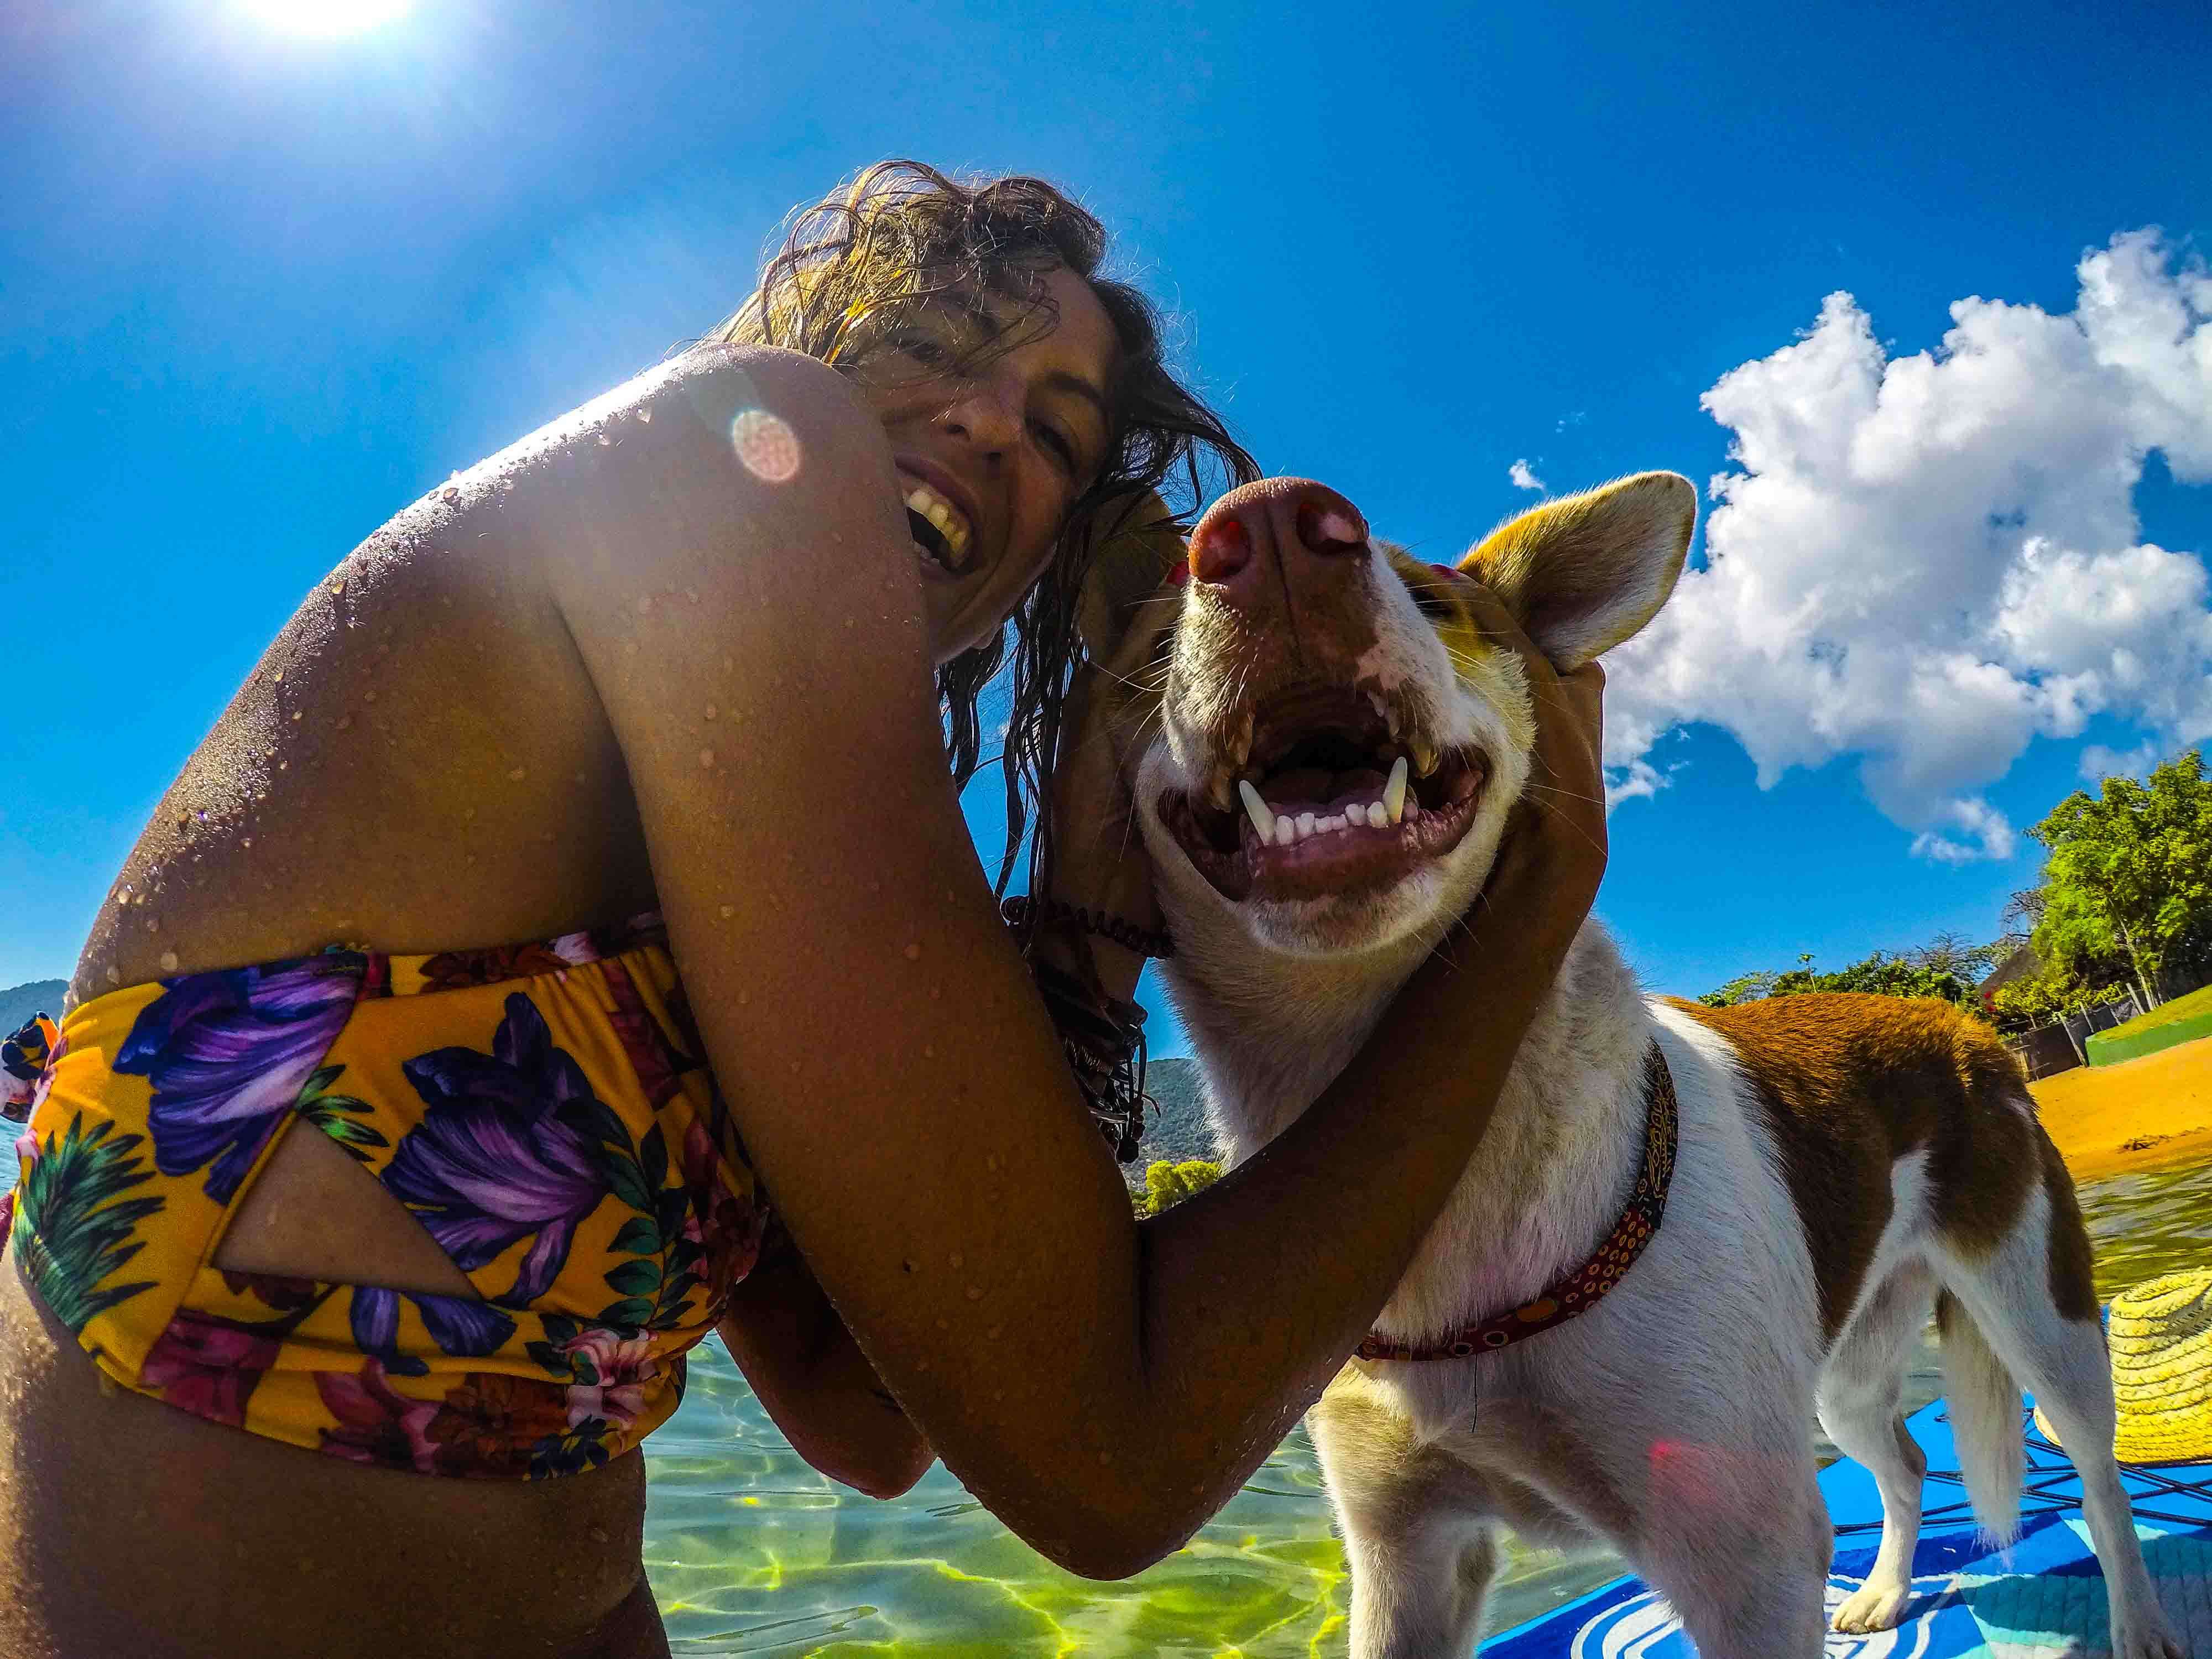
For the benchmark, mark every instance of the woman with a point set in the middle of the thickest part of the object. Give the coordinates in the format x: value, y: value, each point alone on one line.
x: 687, y: 651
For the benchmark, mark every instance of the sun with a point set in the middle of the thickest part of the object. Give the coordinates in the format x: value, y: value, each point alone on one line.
x: 327, y: 19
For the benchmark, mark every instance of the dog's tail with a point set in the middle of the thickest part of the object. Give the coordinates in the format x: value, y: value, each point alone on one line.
x: 1986, y: 1426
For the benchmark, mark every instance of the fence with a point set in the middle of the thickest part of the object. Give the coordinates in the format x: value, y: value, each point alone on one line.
x: 2062, y: 1047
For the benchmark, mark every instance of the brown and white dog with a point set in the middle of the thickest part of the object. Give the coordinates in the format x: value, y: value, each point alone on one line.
x: 1323, y: 749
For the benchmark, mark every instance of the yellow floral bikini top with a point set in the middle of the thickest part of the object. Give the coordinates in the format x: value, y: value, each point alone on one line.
x: 544, y: 1110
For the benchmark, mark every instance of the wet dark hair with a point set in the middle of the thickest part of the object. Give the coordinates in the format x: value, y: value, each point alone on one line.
x: 902, y: 238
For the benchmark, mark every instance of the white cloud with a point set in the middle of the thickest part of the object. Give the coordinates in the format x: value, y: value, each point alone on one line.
x: 1523, y: 478
x: 1927, y: 562
x: 2100, y: 762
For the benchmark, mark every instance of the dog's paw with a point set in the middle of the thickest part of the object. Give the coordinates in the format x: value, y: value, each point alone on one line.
x: 2145, y: 1636
x: 1874, y: 1606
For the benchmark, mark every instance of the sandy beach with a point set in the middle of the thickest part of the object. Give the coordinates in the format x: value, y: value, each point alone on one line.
x: 2142, y: 1115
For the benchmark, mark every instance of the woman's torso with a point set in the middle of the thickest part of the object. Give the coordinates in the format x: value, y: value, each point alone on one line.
x: 419, y: 764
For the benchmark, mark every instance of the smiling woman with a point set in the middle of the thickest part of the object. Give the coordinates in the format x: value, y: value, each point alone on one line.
x: 388, y: 1245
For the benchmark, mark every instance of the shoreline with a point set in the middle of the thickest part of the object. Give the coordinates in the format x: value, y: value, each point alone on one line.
x: 2146, y: 1113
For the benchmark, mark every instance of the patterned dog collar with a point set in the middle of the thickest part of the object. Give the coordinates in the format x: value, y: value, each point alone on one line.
x: 1579, y: 1292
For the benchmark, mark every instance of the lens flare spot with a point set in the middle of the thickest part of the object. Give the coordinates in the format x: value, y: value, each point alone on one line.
x: 766, y: 444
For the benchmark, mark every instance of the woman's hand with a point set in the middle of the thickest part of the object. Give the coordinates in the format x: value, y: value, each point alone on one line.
x: 1546, y: 876
x: 1099, y: 859
x: 813, y: 1380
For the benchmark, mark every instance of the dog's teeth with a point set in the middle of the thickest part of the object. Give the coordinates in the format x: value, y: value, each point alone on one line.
x: 1286, y: 831
x: 1426, y: 757
x: 1376, y: 817
x: 1394, y: 793
x: 1305, y: 825
x: 1256, y: 809
x: 1218, y: 791
x: 1381, y: 708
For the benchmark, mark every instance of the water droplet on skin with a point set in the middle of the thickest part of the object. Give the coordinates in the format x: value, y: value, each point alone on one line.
x: 115, y: 974
x: 168, y: 962
x: 957, y: 1258
x: 245, y: 841
x: 368, y: 696
x: 279, y: 677
x: 470, y: 813
x: 449, y: 493
x: 153, y: 924
x: 705, y: 758
x: 605, y: 441
x: 295, y: 715
x: 692, y: 594
x: 914, y: 953
x: 645, y: 417
x: 728, y: 910
x: 975, y: 1292
x: 710, y: 711
x: 743, y: 997
x: 794, y: 1068
x: 337, y: 589
x: 518, y: 775
x: 344, y: 720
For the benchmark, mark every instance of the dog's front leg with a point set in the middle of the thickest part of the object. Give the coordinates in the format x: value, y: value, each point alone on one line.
x: 1419, y: 1528
x: 1749, y: 1577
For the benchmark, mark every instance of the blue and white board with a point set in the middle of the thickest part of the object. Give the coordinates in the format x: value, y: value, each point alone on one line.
x: 2041, y: 1599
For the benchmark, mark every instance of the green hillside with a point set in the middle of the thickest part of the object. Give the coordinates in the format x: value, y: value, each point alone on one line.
x: 19, y: 1002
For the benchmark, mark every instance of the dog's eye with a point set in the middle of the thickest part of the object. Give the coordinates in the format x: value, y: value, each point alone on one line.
x: 1435, y: 602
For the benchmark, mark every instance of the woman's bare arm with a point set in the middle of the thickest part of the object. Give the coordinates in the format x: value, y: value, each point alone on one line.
x: 893, y: 1071
x: 812, y: 1379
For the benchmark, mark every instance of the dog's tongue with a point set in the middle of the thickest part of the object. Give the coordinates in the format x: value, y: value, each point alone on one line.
x: 1311, y: 788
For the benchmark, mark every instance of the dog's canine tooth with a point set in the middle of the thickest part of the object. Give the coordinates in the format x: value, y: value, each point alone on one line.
x: 1426, y: 757
x: 1217, y: 791
x: 1394, y: 793
x: 1263, y: 819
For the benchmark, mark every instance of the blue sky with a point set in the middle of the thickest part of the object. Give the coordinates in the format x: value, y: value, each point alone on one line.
x: 258, y: 291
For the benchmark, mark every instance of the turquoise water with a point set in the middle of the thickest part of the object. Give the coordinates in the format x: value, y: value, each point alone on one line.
x: 750, y: 1552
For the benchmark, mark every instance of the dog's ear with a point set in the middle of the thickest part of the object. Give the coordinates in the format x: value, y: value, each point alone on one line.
x: 1586, y: 572
x: 1142, y: 545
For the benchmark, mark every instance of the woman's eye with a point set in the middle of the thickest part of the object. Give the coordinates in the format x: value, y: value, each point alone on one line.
x: 1056, y: 441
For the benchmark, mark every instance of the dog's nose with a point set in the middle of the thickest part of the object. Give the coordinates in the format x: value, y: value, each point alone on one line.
x: 1276, y: 523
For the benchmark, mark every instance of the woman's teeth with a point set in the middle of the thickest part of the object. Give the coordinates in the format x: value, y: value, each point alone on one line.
x: 1287, y: 829
x: 946, y: 518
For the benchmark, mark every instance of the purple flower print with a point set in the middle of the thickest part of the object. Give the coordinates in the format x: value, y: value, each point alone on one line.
x: 457, y: 1324
x: 228, y: 1053
x: 508, y: 1148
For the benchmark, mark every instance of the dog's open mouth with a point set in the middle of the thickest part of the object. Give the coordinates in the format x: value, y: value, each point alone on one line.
x: 1329, y: 802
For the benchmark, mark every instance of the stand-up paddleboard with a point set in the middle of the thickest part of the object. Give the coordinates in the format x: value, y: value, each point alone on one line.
x: 2041, y: 1599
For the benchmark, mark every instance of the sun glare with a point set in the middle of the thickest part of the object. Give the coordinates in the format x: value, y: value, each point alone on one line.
x: 326, y: 20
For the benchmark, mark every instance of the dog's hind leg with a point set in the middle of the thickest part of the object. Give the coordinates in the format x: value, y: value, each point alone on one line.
x: 2030, y: 1299
x: 1858, y: 1401
x: 1419, y: 1528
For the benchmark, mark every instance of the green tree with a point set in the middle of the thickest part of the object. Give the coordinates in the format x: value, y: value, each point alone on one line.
x: 2129, y: 879
x: 1167, y: 1184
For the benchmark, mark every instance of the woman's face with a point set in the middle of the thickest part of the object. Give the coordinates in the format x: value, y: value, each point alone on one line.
x: 989, y: 462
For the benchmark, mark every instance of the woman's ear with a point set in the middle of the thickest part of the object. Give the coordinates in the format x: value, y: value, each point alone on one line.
x: 1586, y: 572
x: 1143, y: 546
